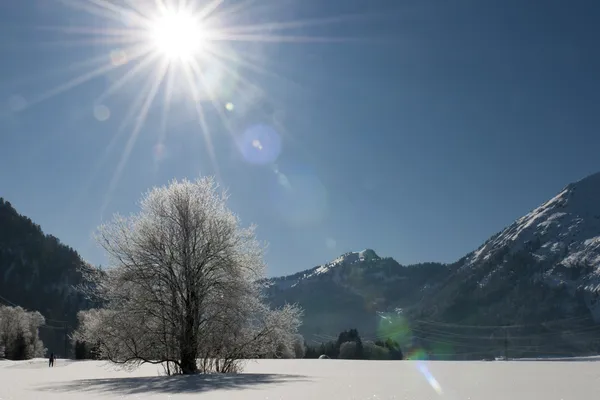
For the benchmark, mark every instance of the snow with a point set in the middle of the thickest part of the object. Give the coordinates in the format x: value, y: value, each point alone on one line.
x: 309, y: 379
x: 566, y: 228
x: 351, y: 257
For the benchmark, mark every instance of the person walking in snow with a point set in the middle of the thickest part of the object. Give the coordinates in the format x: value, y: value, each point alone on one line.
x: 51, y: 360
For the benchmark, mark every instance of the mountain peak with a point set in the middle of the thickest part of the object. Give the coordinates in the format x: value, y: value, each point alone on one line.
x: 561, y: 234
x: 368, y: 254
x: 590, y: 180
x: 356, y: 256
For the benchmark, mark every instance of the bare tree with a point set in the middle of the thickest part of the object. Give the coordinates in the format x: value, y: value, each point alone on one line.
x: 184, y: 286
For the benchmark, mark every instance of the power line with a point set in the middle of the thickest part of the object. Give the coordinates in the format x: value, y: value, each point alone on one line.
x: 61, y: 328
x: 511, y: 326
x: 8, y: 301
x: 64, y: 328
x: 47, y: 319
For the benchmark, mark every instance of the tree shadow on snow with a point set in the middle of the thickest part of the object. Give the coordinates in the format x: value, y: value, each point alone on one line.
x: 173, y: 384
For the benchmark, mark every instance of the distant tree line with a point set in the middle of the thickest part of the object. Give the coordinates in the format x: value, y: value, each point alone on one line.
x: 349, y: 346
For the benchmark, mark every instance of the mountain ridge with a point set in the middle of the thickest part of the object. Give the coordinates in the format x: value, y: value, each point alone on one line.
x: 551, y: 254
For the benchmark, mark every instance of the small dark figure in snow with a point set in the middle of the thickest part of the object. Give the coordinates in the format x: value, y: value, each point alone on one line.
x: 51, y: 360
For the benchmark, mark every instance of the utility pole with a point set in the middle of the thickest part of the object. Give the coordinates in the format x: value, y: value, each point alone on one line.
x: 505, y: 344
x: 66, y: 340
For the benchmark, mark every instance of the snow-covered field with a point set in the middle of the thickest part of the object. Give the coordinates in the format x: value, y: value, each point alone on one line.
x: 308, y: 379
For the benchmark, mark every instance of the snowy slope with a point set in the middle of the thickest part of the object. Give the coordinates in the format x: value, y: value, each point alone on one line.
x: 569, y: 222
x: 562, y: 234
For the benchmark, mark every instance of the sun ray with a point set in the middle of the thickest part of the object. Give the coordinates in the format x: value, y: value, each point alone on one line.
x: 134, y: 133
x: 201, y: 119
x: 132, y: 73
x: 145, y: 12
x: 231, y: 10
x: 131, y: 113
x: 91, y: 9
x: 270, y: 26
x: 121, y: 130
x: 135, y: 106
x: 138, y: 33
x: 47, y: 73
x: 199, y: 38
x: 104, y: 9
x: 225, y: 67
x: 268, y: 38
x: 88, y: 42
x: 166, y: 104
x: 209, y: 9
x: 196, y: 68
x: 240, y: 61
x: 80, y: 80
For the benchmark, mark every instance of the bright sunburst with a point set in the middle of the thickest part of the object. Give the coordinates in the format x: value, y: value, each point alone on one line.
x: 187, y: 44
x: 178, y: 34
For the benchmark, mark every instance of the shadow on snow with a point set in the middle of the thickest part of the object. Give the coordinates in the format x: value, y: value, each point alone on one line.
x: 173, y: 384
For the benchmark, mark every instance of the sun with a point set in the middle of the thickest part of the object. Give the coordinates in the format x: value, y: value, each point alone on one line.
x: 178, y: 35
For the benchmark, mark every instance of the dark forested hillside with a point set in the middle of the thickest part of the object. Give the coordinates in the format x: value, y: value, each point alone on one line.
x: 38, y: 272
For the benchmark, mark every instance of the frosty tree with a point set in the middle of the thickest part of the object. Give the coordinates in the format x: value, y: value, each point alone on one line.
x: 183, y: 290
x: 19, y: 333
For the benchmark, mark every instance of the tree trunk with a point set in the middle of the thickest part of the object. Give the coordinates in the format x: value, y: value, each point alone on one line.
x: 188, y: 363
x: 189, y: 350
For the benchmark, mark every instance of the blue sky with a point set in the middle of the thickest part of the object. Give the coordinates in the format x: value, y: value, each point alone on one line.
x: 429, y: 127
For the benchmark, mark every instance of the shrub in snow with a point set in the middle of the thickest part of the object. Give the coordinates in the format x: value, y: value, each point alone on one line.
x: 287, y: 350
x: 375, y: 352
x: 19, y: 333
x: 299, y: 346
x: 348, y: 351
x: 184, y: 288
x: 85, y: 351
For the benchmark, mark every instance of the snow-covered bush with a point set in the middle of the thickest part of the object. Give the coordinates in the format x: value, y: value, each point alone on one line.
x: 299, y: 346
x: 348, y: 351
x: 19, y: 333
x: 184, y: 287
x: 375, y: 352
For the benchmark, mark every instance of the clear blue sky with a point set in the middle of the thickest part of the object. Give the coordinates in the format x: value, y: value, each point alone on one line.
x: 431, y: 126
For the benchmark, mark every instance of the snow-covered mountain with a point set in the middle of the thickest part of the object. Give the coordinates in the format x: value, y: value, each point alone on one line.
x: 567, y: 223
x: 353, y: 290
x: 327, y: 268
x: 542, y: 270
x: 563, y: 236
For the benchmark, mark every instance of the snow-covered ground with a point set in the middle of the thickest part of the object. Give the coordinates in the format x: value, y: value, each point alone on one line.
x: 308, y: 379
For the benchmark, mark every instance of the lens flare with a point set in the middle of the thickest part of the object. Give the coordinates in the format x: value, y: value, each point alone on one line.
x: 212, y: 50
x: 395, y: 327
x: 101, y: 112
x: 435, y: 385
x: 260, y: 144
x: 118, y: 57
